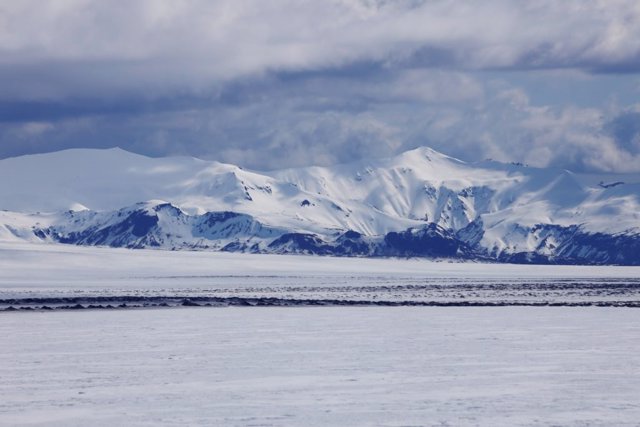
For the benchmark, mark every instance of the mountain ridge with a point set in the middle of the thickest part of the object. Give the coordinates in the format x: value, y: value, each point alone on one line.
x: 419, y: 203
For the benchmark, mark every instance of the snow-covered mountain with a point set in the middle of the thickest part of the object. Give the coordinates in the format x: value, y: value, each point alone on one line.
x: 420, y: 203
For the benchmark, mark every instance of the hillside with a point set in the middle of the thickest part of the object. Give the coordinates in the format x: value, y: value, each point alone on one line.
x: 419, y: 203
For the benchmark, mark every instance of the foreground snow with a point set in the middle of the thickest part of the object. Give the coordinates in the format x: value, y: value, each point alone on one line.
x: 322, y: 366
x: 314, y: 366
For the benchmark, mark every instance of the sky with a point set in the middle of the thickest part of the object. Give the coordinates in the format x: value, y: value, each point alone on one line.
x: 289, y: 83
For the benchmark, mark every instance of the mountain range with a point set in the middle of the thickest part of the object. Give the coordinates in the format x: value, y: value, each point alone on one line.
x: 420, y: 203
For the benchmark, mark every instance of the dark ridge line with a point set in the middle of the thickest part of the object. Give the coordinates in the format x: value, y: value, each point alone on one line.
x: 539, y: 292
x: 537, y: 287
x: 130, y: 302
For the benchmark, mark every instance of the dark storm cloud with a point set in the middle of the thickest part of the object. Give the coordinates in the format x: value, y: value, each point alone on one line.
x: 625, y: 129
x: 56, y: 110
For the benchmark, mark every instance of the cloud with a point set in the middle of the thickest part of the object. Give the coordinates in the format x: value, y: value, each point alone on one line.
x: 271, y: 124
x: 96, y: 47
x: 507, y: 127
x: 625, y: 130
x: 280, y: 83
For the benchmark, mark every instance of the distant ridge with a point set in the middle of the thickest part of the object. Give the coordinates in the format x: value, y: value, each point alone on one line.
x: 420, y: 203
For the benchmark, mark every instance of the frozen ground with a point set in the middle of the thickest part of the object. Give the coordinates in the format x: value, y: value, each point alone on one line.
x: 355, y: 366
x: 55, y: 276
x: 339, y: 364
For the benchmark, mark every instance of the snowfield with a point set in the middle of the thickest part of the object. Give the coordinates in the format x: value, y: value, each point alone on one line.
x: 507, y: 366
x: 31, y: 271
x: 334, y: 364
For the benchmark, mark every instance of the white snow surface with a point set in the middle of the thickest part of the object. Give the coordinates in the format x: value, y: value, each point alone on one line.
x: 63, y: 271
x: 372, y: 197
x: 51, y: 265
x: 322, y: 366
x: 307, y: 366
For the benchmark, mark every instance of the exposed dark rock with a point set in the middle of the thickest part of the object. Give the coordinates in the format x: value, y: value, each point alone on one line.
x: 431, y: 241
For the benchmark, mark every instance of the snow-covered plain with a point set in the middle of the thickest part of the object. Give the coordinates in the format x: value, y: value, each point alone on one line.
x: 311, y: 366
x: 506, y: 366
x: 51, y: 270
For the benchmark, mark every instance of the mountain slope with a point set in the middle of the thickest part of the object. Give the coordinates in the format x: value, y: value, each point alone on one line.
x: 420, y: 203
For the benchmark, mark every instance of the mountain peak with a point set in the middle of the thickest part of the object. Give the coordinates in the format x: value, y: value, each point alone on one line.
x: 494, y: 208
x: 428, y: 153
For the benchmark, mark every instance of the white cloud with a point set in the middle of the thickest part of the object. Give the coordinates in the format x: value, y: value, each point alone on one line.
x: 190, y: 44
x: 291, y: 82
